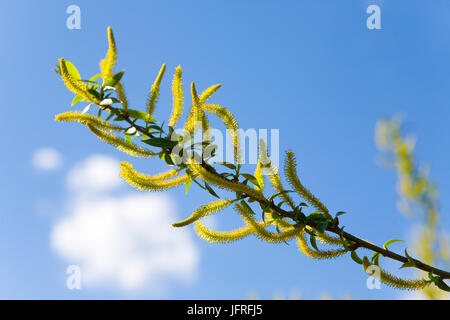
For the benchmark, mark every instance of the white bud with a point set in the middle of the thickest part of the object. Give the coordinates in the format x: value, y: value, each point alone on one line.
x: 85, y: 110
x: 131, y: 131
x: 106, y: 102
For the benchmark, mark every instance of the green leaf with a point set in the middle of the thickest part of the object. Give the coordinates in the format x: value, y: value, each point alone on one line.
x: 388, y: 243
x: 322, y: 227
x: 252, y: 179
x: 91, y: 82
x: 408, y: 264
x: 302, y: 204
x: 317, y: 217
x: 160, y: 142
x: 77, y: 99
x: 188, y: 185
x: 312, y: 239
x: 210, y: 190
x: 280, y: 204
x: 355, y: 257
x: 198, y: 183
x: 376, y: 258
x: 309, y: 232
x: 57, y: 69
x: 299, y: 216
x: 340, y: 213
x: 94, y: 92
x: 280, y: 193
x: 375, y: 254
x: 168, y: 159
x: 115, y: 79
x: 408, y: 256
x: 72, y: 70
x: 245, y: 204
x: 227, y: 164
x: 441, y: 284
x: 136, y: 114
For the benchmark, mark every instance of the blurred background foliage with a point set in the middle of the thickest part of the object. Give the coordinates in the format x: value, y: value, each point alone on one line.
x: 419, y: 197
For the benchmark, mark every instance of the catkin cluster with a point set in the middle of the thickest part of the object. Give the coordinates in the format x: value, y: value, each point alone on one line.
x: 274, y: 227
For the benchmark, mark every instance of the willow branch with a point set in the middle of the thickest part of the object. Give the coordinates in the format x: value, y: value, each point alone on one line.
x: 359, y: 243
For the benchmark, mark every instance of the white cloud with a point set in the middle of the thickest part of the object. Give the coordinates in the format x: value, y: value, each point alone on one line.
x: 96, y: 173
x: 47, y: 159
x: 127, y: 241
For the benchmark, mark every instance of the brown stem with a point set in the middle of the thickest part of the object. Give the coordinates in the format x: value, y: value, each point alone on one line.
x: 336, y: 230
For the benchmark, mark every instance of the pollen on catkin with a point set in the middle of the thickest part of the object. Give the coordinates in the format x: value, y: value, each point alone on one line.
x: 178, y: 97
x: 144, y: 182
x: 260, y: 230
x: 76, y: 116
x: 203, y: 211
x: 120, y: 144
x: 303, y: 244
x: 196, y: 114
x: 272, y: 172
x: 208, y: 93
x: 391, y: 280
x: 230, y: 123
x: 223, y: 183
x: 121, y: 94
x: 328, y: 254
x: 107, y: 64
x: 259, y: 175
x: 290, y: 170
x: 213, y: 236
x: 75, y: 85
x: 154, y: 91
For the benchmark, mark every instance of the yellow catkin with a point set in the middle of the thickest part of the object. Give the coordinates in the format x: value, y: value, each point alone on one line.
x: 272, y: 171
x: 326, y: 238
x: 304, y: 247
x: 391, y: 280
x: 144, y: 182
x: 260, y: 230
x: 208, y: 93
x: 154, y: 92
x: 262, y: 160
x: 328, y: 254
x: 75, y: 85
x: 231, y: 124
x: 75, y: 116
x: 221, y: 236
x: 107, y: 64
x: 205, y: 210
x: 275, y: 180
x: 259, y: 175
x: 205, y: 123
x: 178, y: 97
x: 121, y: 94
x: 291, y: 174
x: 224, y: 183
x: 120, y: 143
x: 196, y: 114
x: 206, y: 128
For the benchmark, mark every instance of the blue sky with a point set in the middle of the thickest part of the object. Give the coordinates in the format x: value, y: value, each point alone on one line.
x: 309, y: 68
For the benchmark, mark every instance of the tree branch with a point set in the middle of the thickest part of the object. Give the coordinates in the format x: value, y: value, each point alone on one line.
x: 333, y: 228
